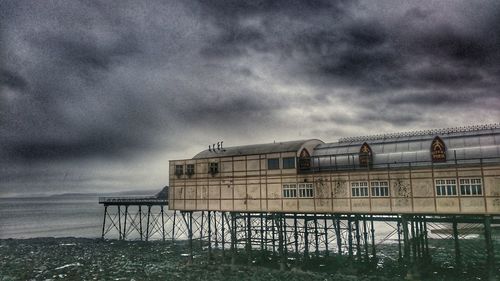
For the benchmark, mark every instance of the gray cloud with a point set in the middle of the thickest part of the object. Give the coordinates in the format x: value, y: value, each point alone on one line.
x: 121, y: 88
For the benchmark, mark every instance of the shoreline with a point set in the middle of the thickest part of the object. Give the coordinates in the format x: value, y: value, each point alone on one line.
x: 53, y: 258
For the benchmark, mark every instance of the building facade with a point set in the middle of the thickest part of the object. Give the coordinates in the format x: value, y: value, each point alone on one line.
x: 448, y: 171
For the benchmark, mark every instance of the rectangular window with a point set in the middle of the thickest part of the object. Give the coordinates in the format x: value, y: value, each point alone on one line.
x: 213, y: 168
x: 290, y: 191
x: 190, y: 169
x: 289, y: 163
x: 471, y: 187
x: 359, y: 189
x: 380, y: 188
x: 179, y: 170
x: 273, y: 164
x: 306, y: 190
x: 446, y: 187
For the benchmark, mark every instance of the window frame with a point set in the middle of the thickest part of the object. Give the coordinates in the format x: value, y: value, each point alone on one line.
x: 360, y: 186
x: 305, y: 190
x: 213, y: 168
x: 189, y: 171
x: 442, y: 187
x: 179, y: 170
x: 289, y: 190
x: 289, y: 158
x: 477, y: 186
x: 377, y: 185
x: 273, y: 159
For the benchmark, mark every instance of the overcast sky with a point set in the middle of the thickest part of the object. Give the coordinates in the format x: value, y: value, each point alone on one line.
x: 100, y: 95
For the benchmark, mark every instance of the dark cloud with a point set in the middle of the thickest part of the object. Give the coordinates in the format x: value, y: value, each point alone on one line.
x: 120, y: 89
x: 12, y: 80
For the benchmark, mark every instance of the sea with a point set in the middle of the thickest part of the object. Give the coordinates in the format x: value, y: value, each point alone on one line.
x: 52, y: 216
x: 78, y: 215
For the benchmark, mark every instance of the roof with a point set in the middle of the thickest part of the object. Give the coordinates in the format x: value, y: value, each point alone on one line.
x: 463, y: 143
x: 253, y: 149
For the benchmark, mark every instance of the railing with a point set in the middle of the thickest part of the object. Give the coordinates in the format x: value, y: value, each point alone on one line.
x: 133, y: 200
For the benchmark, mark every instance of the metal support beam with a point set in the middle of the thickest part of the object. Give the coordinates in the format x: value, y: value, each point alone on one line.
x: 104, y: 220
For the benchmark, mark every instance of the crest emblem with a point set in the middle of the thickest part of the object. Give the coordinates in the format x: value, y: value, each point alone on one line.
x: 438, y: 150
x: 365, y: 155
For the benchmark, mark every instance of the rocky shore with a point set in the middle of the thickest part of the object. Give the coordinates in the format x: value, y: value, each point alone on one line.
x: 95, y: 259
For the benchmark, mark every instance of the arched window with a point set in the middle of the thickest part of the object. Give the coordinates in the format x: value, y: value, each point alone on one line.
x: 304, y: 160
x: 365, y: 155
x: 438, y: 150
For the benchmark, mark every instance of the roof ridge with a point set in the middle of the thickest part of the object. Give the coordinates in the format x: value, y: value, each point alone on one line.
x: 448, y: 131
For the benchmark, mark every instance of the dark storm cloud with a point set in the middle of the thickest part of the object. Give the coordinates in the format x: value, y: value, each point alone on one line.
x: 122, y: 81
x: 12, y: 80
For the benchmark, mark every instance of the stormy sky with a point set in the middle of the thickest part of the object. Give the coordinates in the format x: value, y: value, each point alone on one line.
x: 99, y: 95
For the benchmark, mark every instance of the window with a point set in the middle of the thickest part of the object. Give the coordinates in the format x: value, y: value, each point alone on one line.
x: 446, y: 187
x: 359, y: 189
x: 289, y: 163
x: 190, y: 169
x: 471, y: 187
x: 273, y: 164
x: 213, y: 168
x: 179, y: 170
x: 306, y: 190
x: 380, y: 188
x: 290, y: 191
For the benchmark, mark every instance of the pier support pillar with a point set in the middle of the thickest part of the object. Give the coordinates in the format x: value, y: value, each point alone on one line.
x: 210, y: 235
x: 124, y: 236
x: 406, y: 240
x: 119, y: 223
x: 458, y: 257
x: 282, y: 259
x: 490, y: 254
x: 374, y: 251
x: 104, y: 221
x: 338, y: 233
x: 233, y: 238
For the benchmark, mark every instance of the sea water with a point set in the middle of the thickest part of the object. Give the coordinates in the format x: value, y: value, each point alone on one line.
x: 82, y: 216
x: 58, y: 216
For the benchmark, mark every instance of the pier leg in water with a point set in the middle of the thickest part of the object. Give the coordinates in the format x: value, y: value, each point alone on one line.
x: 173, y: 226
x: 306, y: 238
x: 147, y: 223
x: 190, y: 237
x: 406, y: 242
x: 233, y: 238
x: 349, y: 230
x: 282, y: 259
x: 365, y: 237
x: 210, y: 235
x: 400, y: 252
x: 338, y: 233
x: 316, y: 236
x: 162, y: 224
x: 358, y: 239
x: 140, y: 223
x: 104, y: 220
x: 248, y: 244
x: 119, y: 223
x: 490, y: 254
x: 326, y: 236
x: 125, y: 223
x: 374, y: 252
x: 458, y: 258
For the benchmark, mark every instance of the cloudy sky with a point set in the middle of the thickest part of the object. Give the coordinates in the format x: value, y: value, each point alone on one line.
x: 99, y: 95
